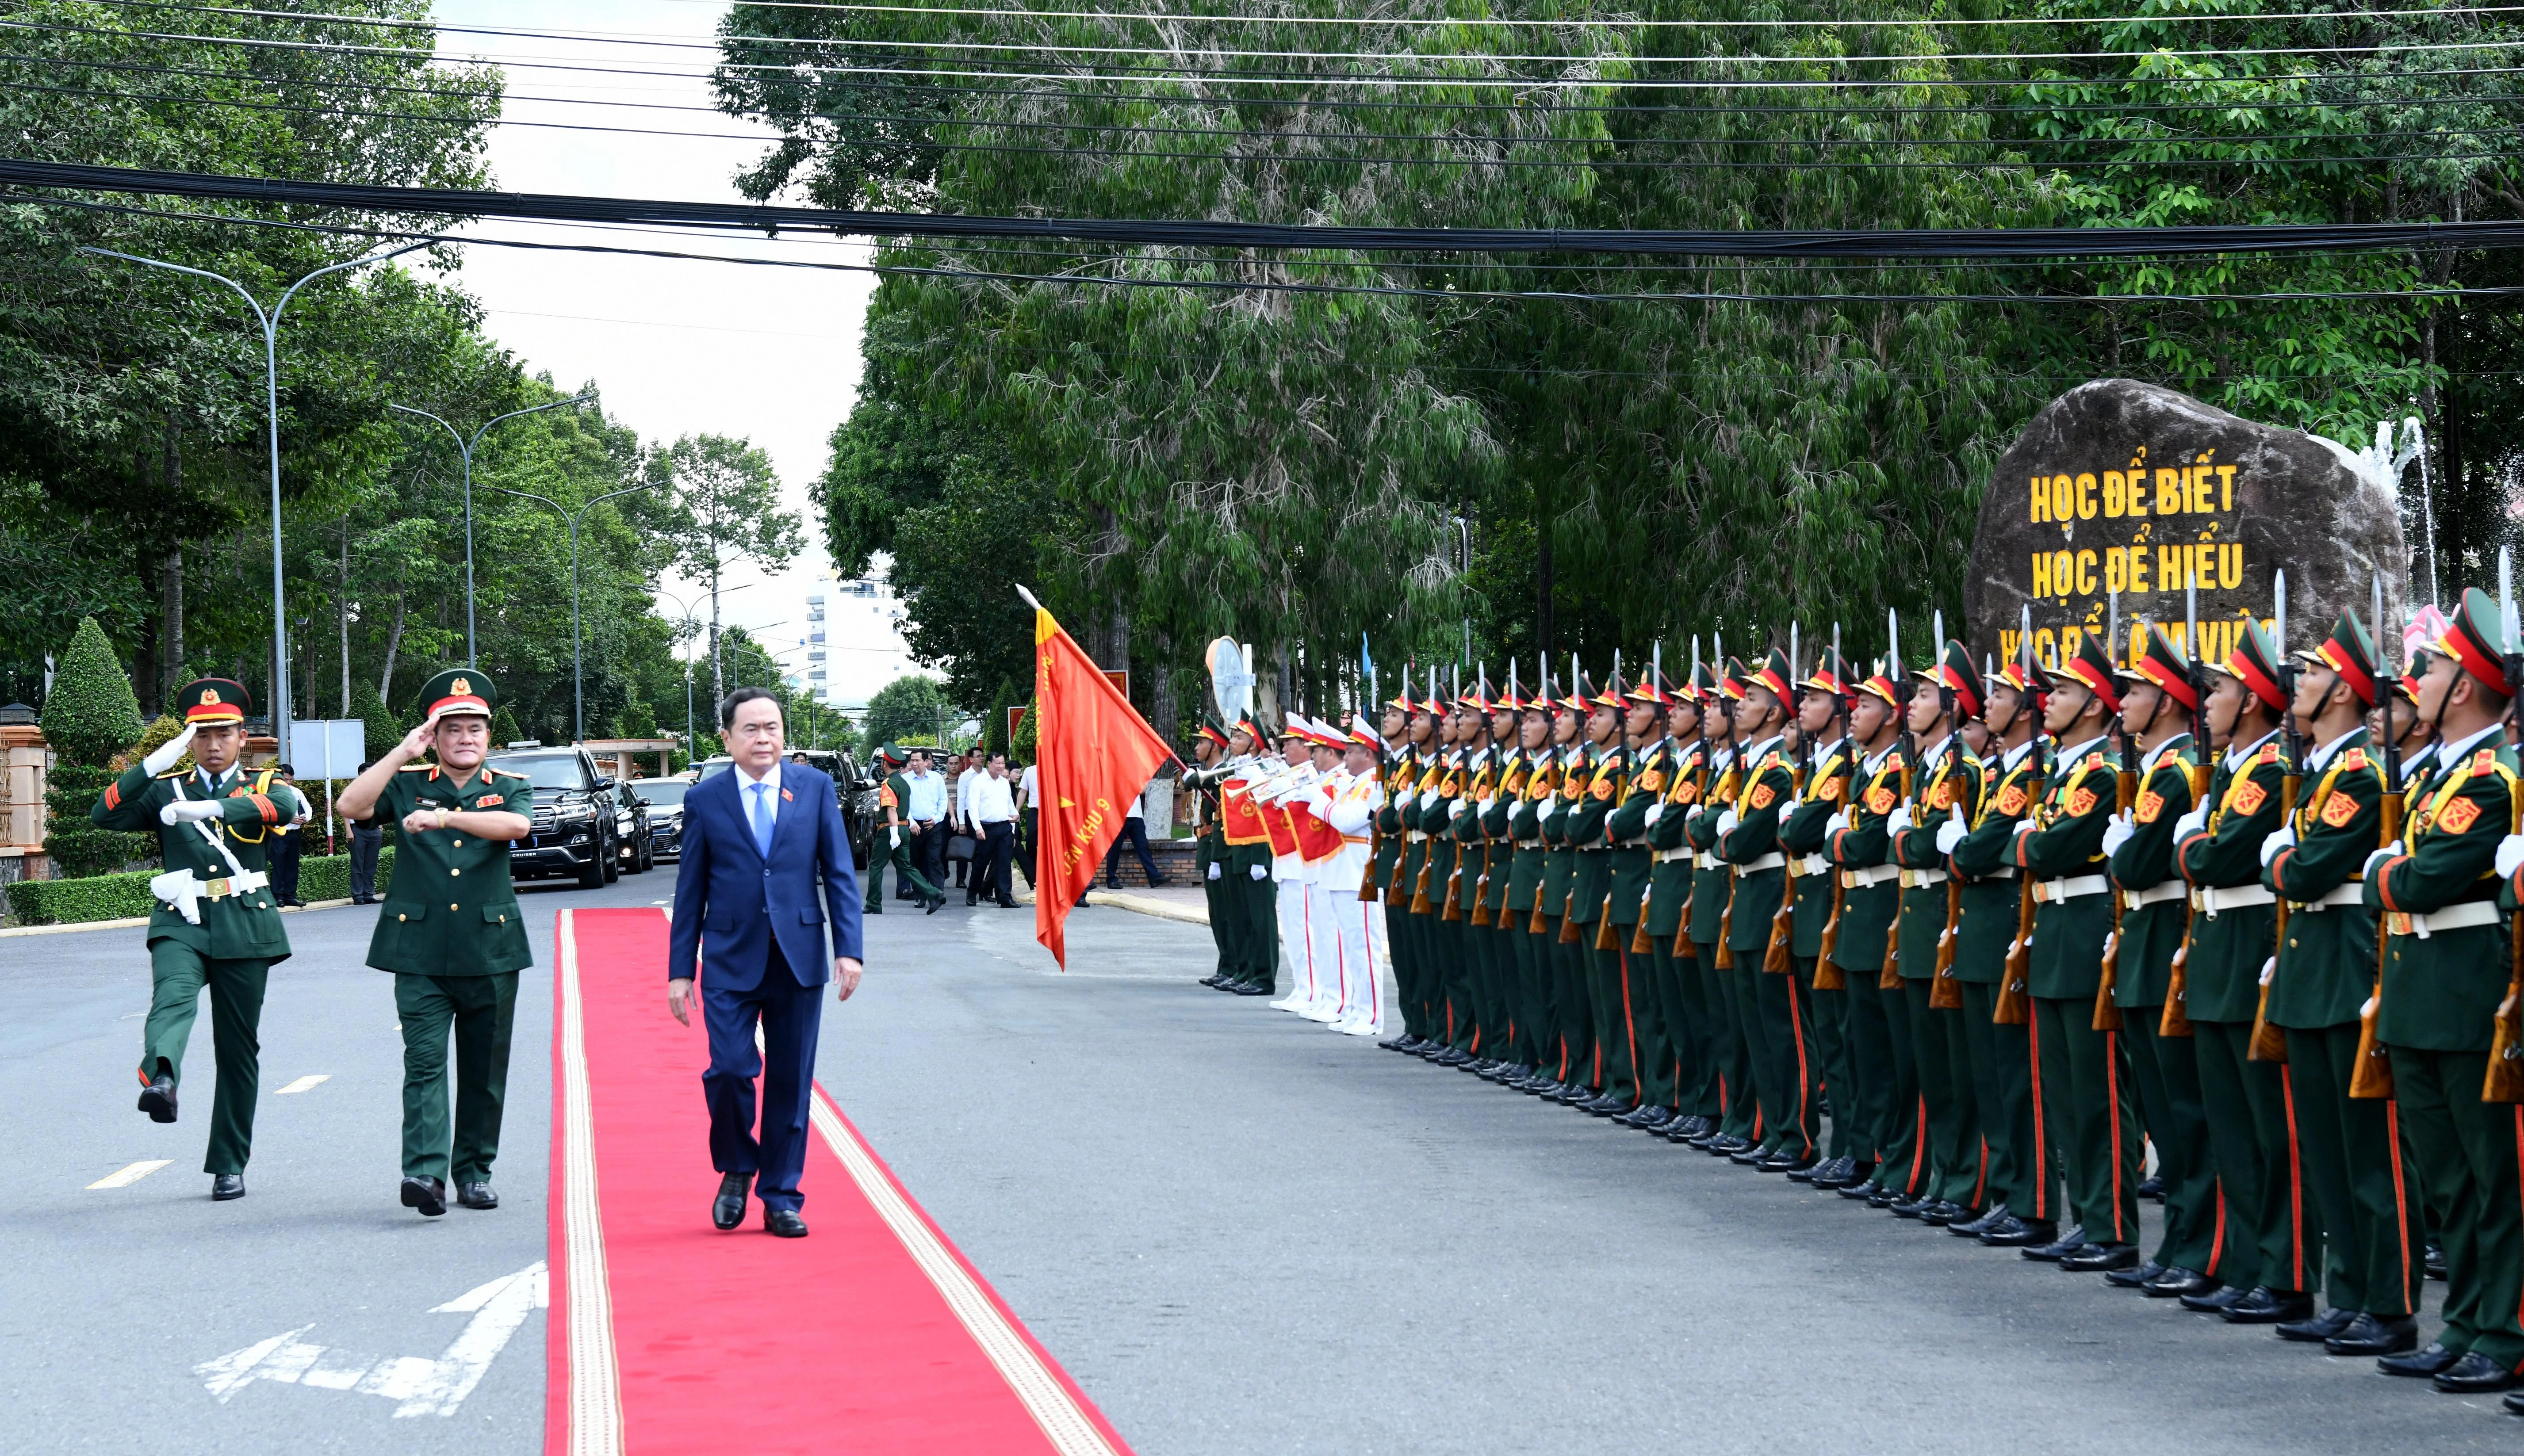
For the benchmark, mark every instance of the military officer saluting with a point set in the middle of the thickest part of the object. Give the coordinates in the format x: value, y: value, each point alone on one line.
x: 450, y: 932
x: 216, y: 924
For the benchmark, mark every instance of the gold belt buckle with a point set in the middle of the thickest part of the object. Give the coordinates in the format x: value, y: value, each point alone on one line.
x: 2398, y: 922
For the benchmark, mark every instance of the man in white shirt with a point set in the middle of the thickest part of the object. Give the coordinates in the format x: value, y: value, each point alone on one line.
x: 962, y: 770
x: 1135, y: 833
x: 990, y: 801
x: 1029, y: 800
x: 1350, y: 805
x: 927, y: 810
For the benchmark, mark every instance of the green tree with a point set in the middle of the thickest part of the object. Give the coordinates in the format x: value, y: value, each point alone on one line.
x: 906, y: 708
x: 725, y: 508
x: 90, y: 717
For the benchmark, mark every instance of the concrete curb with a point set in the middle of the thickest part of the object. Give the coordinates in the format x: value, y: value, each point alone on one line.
x: 1123, y: 900
x: 136, y: 922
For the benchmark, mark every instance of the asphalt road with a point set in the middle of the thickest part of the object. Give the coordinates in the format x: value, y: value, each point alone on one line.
x: 1241, y: 1233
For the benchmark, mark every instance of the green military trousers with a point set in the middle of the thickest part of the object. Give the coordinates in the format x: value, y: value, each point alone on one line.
x: 1515, y: 1019
x: 2164, y: 1072
x: 2001, y: 1081
x: 2468, y: 1154
x: 1949, y: 1101
x: 1902, y: 1150
x: 1571, y: 1012
x: 1402, y: 945
x: 2089, y: 1118
x: 480, y: 1012
x: 178, y: 973
x: 1659, y: 999
x: 1788, y: 1074
x: 1213, y: 882
x: 1687, y: 1028
x: 1866, y: 1030
x: 1621, y: 996
x: 1534, y: 955
x: 1827, y: 1013
x: 2354, y: 1178
x: 2252, y: 1135
x: 1260, y: 900
x: 1737, y: 1096
x: 900, y: 856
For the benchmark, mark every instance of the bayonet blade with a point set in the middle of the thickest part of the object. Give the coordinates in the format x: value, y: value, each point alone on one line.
x: 2278, y: 590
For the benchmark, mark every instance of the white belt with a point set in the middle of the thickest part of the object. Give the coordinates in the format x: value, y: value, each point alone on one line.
x: 1704, y: 862
x: 1809, y: 864
x: 2211, y: 900
x: 1416, y: 836
x: 1920, y: 879
x: 2072, y: 887
x: 2132, y: 900
x: 2348, y: 893
x: 2003, y: 872
x: 1875, y: 874
x: 1771, y: 860
x: 1668, y: 857
x: 1529, y: 844
x: 2451, y: 917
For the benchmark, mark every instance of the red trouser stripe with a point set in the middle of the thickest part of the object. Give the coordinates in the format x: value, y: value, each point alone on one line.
x: 2296, y: 1181
x: 1629, y: 1028
x: 2112, y: 1090
x: 2040, y: 1139
x: 1805, y: 1098
x: 2401, y: 1200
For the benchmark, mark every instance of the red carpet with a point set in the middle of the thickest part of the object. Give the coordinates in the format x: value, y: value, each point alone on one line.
x: 872, y: 1335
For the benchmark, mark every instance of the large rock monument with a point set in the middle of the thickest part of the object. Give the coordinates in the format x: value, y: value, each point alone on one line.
x: 2129, y: 488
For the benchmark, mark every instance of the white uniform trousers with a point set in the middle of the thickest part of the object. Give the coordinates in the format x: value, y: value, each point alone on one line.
x: 1296, y: 946
x: 1323, y: 936
x: 1361, y: 931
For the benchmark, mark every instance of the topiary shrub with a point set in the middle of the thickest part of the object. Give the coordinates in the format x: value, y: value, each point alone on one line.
x: 91, y: 713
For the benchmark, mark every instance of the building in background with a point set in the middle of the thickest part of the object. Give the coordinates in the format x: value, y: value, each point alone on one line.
x: 852, y: 642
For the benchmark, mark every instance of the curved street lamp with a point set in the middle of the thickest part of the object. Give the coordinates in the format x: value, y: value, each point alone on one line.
x: 464, y: 448
x: 577, y: 678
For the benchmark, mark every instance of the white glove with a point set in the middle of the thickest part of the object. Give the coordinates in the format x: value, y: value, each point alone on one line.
x: 1898, y: 820
x: 2275, y: 841
x: 2378, y: 857
x: 1727, y: 823
x: 1260, y: 871
x: 2025, y: 826
x: 1654, y: 810
x: 1484, y: 806
x: 1951, y: 833
x: 2269, y: 968
x: 2112, y: 937
x: 1215, y: 869
x: 2118, y: 832
x: 184, y: 809
x: 1550, y: 806
x: 2189, y: 824
x: 893, y: 837
x: 1838, y: 822
x: 2510, y: 855
x: 1428, y: 796
x: 162, y: 757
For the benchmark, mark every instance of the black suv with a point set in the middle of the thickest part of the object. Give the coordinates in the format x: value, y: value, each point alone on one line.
x: 584, y: 825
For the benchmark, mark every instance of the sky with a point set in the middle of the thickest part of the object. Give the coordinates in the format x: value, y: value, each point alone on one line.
x: 769, y: 354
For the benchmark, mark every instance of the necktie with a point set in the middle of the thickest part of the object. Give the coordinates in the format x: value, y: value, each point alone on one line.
x: 762, y: 818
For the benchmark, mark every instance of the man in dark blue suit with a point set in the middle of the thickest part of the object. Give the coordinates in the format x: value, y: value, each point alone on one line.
x: 759, y: 840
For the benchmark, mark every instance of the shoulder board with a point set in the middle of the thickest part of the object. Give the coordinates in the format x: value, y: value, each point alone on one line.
x: 2092, y: 760
x: 2269, y: 753
x: 2485, y: 761
x: 2353, y: 759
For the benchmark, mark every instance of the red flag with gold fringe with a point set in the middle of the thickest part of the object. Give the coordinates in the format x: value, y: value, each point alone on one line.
x: 1093, y: 756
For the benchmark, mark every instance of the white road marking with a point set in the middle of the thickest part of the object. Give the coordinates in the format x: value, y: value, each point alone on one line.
x: 420, y: 1386
x: 304, y: 1083
x: 130, y: 1174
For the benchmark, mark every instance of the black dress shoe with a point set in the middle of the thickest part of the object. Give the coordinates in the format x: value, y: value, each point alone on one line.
x: 2369, y: 1336
x: 1913, y: 1206
x: 1811, y: 1171
x: 1886, y: 1197
x: 2434, y: 1263
x: 1683, y: 1129
x: 2430, y: 1361
x: 2215, y: 1300
x: 477, y: 1194
x: 2514, y: 1403
x: 2151, y: 1187
x: 1832, y: 1176
x: 1403, y: 1043
x: 1975, y: 1227
x: 1214, y: 979
x: 1750, y: 1155
x: 2016, y: 1233
x: 2267, y: 1306
x: 727, y: 1210
x: 157, y: 1098
x: 1787, y: 1160
x: 971, y: 900
x: 2475, y: 1373
x: 226, y: 1185
x: 2318, y: 1328
x: 1863, y: 1191
x: 2178, y: 1281
x: 1943, y: 1213
x: 937, y: 903
x: 1726, y: 1144
x: 2070, y: 1240
x: 783, y: 1222
x: 2134, y: 1279
x: 429, y: 1195
x: 1249, y: 988
x: 2096, y: 1258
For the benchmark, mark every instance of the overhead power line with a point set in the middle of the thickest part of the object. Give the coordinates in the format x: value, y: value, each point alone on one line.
x: 1960, y: 243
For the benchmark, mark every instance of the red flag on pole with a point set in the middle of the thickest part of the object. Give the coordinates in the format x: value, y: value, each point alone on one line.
x: 1093, y: 756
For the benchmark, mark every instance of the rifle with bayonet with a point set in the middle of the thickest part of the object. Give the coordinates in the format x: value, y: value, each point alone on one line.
x: 2270, y: 1042
x: 1420, y: 904
x: 2176, y: 1021
x: 1700, y: 755
x: 1374, y: 823
x: 2108, y: 1012
x: 1828, y: 976
x: 1544, y: 789
x: 1640, y: 944
x: 1452, y: 790
x: 2505, y: 1081
x: 1726, y: 794
x: 1945, y: 992
x: 2370, y: 1077
x: 2014, y: 1006
x: 1778, y: 959
x: 1890, y: 978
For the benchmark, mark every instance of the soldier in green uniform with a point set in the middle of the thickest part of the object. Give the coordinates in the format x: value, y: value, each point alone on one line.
x: 1210, y: 846
x: 450, y: 932
x: 1666, y: 918
x: 1945, y: 789
x: 2325, y: 971
x: 1412, y: 975
x: 1805, y: 838
x: 1515, y: 1050
x: 1884, y: 1101
x: 1738, y: 1124
x: 2086, y: 1108
x: 1252, y: 894
x: 215, y: 925
x: 2023, y: 1179
x: 1432, y: 901
x: 1608, y: 1072
x: 1571, y: 1011
x: 1485, y: 1041
x: 2447, y: 961
x: 1542, y: 857
x: 1528, y: 784
x: 2201, y: 1229
x: 1653, y: 757
x: 2252, y: 1138
x: 892, y: 845
x: 1401, y: 782
x: 1785, y: 1078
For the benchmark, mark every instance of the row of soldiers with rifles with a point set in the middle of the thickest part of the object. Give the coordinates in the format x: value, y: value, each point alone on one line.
x: 2014, y: 923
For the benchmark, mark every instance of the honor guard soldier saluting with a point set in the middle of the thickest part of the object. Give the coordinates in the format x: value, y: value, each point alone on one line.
x: 216, y: 924
x: 450, y: 932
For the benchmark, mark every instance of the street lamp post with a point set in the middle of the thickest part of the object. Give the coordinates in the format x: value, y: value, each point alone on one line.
x: 464, y: 448
x: 270, y: 322
x: 577, y: 671
x: 693, y: 621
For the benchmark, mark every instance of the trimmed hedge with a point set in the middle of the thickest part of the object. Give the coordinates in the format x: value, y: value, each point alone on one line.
x: 95, y: 897
x: 128, y: 896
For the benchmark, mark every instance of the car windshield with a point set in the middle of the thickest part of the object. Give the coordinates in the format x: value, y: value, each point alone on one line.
x: 546, y: 770
x: 663, y: 792
x: 708, y: 766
